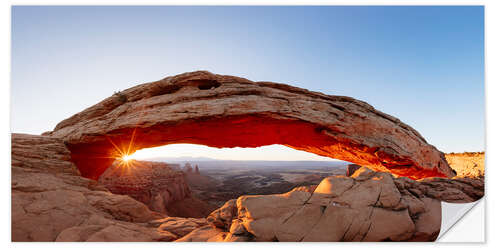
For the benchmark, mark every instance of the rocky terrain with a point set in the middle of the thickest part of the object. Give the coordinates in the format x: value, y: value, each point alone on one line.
x: 51, y: 202
x: 368, y: 206
x: 56, y: 195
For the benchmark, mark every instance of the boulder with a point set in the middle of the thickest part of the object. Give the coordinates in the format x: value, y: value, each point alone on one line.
x: 223, y: 217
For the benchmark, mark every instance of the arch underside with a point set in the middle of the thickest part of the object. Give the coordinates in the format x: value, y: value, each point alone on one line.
x: 238, y: 131
x: 226, y: 111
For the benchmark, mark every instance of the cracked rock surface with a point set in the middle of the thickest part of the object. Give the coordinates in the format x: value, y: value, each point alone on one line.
x: 368, y: 206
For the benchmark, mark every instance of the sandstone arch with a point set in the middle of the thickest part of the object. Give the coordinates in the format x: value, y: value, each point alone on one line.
x: 227, y: 111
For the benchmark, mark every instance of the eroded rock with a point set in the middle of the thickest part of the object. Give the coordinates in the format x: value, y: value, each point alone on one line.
x: 181, y: 226
x: 50, y: 202
x: 368, y: 206
x: 227, y: 111
x: 155, y: 184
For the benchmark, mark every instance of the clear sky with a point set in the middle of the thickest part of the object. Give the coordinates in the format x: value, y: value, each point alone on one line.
x: 424, y: 65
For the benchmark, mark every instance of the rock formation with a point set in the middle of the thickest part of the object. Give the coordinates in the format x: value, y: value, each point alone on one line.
x: 55, y: 196
x: 187, y: 168
x: 227, y: 111
x: 153, y: 183
x: 51, y: 202
x: 369, y: 206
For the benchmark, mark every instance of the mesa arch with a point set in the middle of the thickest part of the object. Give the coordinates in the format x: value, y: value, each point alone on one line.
x: 226, y: 111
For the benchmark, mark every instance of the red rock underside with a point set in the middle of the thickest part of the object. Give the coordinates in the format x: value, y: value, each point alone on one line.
x: 94, y: 158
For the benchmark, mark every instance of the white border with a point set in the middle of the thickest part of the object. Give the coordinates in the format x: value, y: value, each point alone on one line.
x: 492, y: 16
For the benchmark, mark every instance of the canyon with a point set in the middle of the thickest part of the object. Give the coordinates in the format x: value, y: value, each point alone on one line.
x: 68, y: 184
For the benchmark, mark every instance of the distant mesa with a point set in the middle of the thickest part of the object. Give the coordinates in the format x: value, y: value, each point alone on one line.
x: 227, y: 111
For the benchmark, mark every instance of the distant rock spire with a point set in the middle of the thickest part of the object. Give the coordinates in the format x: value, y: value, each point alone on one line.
x: 188, y: 168
x: 196, y: 169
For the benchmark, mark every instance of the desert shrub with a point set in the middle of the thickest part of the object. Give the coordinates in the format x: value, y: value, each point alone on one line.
x: 121, y: 97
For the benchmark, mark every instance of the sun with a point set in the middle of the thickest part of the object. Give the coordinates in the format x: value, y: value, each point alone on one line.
x: 127, y: 157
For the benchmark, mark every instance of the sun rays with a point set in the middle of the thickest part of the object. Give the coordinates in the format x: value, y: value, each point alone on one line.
x: 125, y: 157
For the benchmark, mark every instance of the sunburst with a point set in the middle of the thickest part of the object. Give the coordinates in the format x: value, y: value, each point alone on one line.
x: 124, y: 156
x: 127, y: 157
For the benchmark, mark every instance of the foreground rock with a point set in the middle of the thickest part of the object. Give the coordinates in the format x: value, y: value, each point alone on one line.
x: 179, y: 226
x: 227, y: 111
x: 51, y: 202
x: 369, y: 206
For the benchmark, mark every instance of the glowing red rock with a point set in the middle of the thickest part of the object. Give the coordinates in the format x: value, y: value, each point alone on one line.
x: 227, y: 111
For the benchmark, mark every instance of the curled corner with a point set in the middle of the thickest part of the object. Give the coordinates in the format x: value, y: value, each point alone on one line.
x: 453, y: 213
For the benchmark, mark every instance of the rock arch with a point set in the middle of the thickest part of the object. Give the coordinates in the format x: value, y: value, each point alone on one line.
x: 227, y: 111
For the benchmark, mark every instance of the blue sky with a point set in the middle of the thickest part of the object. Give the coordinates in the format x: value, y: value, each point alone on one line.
x: 424, y: 65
